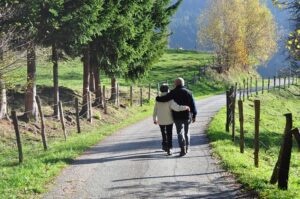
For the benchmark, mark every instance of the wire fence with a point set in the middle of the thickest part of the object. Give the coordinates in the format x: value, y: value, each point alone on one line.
x: 244, y: 92
x: 111, y: 98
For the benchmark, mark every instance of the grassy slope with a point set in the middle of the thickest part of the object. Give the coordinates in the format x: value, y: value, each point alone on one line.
x: 273, y: 106
x: 40, y: 167
x: 172, y: 65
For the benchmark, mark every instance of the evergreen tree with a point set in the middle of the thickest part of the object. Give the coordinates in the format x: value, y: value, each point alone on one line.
x: 136, y: 39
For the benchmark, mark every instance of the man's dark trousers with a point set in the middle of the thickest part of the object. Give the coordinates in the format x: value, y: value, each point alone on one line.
x: 182, y: 128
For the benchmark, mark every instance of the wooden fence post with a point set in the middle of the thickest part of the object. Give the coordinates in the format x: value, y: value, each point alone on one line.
x: 141, y: 96
x: 131, y: 96
x: 251, y: 86
x: 244, y: 90
x: 18, y: 137
x: 269, y: 84
x: 256, y: 139
x: 296, y: 134
x: 240, y: 92
x: 77, y: 115
x: 284, y: 81
x: 118, y: 95
x: 90, y: 113
x: 247, y: 88
x: 44, y: 138
x: 233, y: 112
x: 149, y: 93
x: 281, y: 169
x: 62, y: 119
x: 279, y: 83
x: 263, y: 86
x: 241, y: 119
x: 256, y: 89
x: 284, y: 163
x: 104, y: 100
x: 274, y: 83
x: 289, y: 78
x: 227, y: 110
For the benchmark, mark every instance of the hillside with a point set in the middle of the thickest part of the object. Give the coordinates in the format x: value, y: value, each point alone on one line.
x: 173, y: 64
x: 272, y: 123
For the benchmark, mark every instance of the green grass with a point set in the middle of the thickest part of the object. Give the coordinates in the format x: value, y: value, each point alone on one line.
x: 30, y: 178
x: 273, y: 106
x: 173, y: 64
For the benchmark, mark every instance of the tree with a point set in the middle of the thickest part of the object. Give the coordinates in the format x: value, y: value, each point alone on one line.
x: 293, y: 41
x: 241, y: 33
x: 152, y: 47
x: 20, y: 21
x: 136, y: 39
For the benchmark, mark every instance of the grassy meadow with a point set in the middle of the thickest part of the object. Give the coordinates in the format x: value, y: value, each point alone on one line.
x: 173, y: 64
x: 273, y: 106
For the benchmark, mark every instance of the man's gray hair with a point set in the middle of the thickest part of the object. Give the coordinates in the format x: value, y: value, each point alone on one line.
x: 180, y: 81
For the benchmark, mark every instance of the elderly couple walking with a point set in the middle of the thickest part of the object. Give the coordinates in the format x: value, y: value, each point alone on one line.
x: 178, y: 107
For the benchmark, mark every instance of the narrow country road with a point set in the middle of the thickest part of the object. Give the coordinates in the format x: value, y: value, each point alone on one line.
x: 131, y: 164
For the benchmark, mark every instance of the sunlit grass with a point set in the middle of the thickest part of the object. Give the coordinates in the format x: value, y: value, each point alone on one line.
x: 273, y: 106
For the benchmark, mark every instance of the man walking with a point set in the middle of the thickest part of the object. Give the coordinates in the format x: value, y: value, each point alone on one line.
x: 184, y: 97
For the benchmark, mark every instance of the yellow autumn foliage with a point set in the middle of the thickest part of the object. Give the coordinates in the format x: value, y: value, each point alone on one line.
x: 242, y: 33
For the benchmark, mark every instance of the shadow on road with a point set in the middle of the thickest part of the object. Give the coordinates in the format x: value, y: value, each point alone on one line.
x: 178, y: 189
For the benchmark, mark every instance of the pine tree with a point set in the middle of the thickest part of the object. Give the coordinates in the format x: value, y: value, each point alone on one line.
x: 137, y: 38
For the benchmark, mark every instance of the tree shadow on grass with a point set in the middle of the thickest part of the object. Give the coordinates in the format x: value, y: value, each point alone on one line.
x: 16, y: 98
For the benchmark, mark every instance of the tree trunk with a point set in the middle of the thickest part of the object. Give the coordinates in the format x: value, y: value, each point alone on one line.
x: 98, y: 90
x: 30, y: 103
x: 86, y: 78
x: 92, y: 77
x: 55, y: 80
x: 3, y: 99
x: 113, y: 96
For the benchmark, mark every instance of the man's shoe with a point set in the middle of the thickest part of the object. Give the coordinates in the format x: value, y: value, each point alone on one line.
x: 169, y: 152
x: 183, y: 151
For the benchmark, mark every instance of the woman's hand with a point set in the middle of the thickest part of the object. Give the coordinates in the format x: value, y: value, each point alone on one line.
x: 188, y: 108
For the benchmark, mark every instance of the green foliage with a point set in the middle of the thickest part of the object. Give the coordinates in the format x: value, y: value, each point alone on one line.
x: 272, y: 124
x: 137, y: 38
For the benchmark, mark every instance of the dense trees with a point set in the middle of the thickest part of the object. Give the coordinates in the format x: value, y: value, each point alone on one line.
x: 240, y: 39
x: 119, y: 37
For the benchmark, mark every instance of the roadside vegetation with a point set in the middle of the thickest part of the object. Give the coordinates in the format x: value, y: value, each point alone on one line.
x: 273, y: 106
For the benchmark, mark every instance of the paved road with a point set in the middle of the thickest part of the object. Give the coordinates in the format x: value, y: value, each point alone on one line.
x: 131, y: 164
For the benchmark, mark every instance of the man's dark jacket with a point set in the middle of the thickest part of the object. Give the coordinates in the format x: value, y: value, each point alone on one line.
x: 181, y: 96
